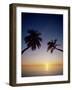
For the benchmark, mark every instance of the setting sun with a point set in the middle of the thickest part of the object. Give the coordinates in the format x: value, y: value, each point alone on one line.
x: 47, y: 67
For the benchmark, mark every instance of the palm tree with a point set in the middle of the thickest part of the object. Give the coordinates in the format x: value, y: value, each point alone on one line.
x: 32, y: 40
x: 52, y: 46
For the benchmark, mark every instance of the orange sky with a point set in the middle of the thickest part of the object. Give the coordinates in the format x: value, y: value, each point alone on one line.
x: 47, y: 67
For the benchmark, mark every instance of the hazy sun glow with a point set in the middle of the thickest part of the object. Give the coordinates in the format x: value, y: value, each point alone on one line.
x: 47, y: 66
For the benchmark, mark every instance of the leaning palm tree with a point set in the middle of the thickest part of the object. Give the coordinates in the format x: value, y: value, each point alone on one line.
x: 32, y: 40
x: 52, y: 45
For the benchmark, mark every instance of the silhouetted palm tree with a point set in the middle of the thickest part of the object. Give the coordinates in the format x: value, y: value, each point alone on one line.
x: 32, y: 40
x: 52, y: 46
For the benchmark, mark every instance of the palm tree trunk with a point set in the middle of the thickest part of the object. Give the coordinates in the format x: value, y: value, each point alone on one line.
x: 59, y: 49
x: 24, y: 50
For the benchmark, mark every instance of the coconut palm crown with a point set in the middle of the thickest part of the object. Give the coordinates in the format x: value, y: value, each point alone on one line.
x: 52, y: 45
x: 33, y: 40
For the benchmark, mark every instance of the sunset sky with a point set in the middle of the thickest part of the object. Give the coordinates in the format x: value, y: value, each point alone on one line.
x: 51, y: 27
